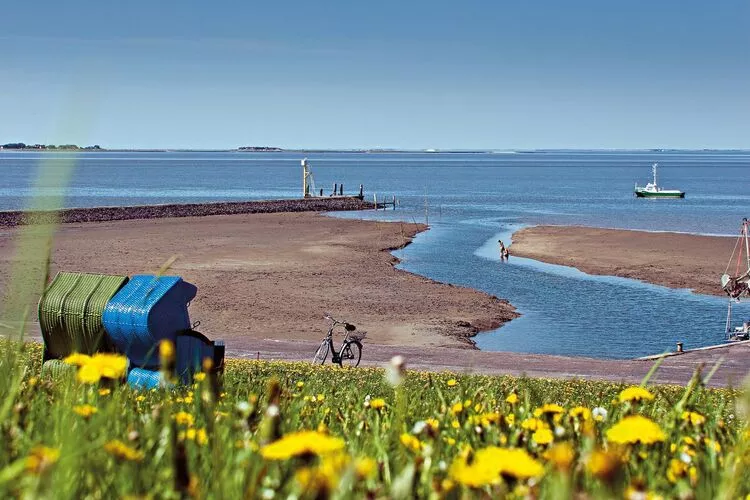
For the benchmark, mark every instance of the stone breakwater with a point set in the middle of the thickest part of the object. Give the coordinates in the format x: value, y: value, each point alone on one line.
x: 103, y: 214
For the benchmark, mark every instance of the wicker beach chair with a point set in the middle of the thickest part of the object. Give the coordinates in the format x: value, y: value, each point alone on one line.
x: 70, y: 313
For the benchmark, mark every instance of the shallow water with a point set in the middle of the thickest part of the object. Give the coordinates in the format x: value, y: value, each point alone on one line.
x: 471, y: 201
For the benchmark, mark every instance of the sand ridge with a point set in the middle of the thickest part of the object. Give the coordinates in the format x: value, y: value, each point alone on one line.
x: 674, y: 260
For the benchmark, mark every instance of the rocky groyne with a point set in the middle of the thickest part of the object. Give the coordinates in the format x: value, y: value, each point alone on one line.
x: 103, y: 214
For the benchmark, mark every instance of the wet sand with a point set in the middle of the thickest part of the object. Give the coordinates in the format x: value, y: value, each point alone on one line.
x: 669, y: 259
x: 272, y: 276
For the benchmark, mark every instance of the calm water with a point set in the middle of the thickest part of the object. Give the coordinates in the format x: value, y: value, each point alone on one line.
x: 472, y: 200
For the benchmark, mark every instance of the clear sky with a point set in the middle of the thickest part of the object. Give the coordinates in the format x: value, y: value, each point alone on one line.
x: 402, y: 74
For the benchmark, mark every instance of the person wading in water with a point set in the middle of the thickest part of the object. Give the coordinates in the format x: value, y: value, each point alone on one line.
x: 504, y: 254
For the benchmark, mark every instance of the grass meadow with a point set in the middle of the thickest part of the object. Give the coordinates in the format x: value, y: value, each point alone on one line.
x: 294, y: 430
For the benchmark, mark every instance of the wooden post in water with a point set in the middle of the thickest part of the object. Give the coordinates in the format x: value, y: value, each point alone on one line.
x: 341, y: 190
x: 305, y: 174
x: 321, y: 191
x: 361, y: 192
x: 335, y: 188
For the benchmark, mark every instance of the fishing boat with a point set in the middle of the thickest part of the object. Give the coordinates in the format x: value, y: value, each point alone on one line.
x: 652, y: 189
x: 737, y: 285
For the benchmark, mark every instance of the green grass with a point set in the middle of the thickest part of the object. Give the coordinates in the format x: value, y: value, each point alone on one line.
x: 215, y: 448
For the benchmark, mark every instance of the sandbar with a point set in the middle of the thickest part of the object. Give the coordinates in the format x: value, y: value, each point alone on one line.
x: 674, y: 260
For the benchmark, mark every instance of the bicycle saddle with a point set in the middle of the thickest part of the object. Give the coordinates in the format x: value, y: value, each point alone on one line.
x: 349, y: 327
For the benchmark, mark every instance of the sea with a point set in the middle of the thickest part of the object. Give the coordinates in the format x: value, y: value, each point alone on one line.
x: 469, y: 200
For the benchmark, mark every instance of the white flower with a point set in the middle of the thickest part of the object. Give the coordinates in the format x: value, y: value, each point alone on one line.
x: 599, y: 414
x: 395, y: 370
x: 419, y: 427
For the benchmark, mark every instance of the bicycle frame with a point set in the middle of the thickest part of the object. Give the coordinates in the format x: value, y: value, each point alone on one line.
x: 336, y: 356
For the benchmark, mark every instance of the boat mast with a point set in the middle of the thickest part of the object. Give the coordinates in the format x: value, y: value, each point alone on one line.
x: 729, y: 318
x: 747, y: 244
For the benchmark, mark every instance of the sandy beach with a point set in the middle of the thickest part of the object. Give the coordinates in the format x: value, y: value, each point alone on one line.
x: 670, y: 259
x: 272, y: 276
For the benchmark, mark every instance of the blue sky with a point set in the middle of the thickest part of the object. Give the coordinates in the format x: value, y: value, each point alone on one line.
x: 470, y: 74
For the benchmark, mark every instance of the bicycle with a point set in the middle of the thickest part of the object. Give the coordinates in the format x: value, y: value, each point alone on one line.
x: 350, y: 352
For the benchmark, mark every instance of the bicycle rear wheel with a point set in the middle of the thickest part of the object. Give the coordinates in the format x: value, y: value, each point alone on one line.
x: 321, y: 354
x: 351, y: 353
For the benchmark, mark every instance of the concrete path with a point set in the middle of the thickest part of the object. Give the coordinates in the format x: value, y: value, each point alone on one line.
x: 677, y: 369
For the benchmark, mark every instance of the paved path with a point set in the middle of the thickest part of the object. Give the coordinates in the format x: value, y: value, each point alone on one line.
x: 676, y: 369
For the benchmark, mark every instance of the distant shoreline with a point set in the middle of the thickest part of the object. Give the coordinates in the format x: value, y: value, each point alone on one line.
x: 369, y: 151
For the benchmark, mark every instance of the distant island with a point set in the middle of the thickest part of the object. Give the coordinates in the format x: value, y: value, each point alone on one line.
x: 265, y: 149
x: 48, y: 147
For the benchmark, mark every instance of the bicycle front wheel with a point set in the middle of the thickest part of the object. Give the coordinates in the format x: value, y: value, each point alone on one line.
x: 351, y: 353
x: 321, y: 354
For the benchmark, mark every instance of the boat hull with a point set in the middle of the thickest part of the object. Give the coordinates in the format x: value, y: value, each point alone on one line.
x: 660, y: 194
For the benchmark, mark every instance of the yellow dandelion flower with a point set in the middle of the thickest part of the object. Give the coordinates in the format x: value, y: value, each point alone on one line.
x: 452, y: 382
x: 543, y: 436
x: 112, y: 366
x: 712, y: 445
x: 198, y: 435
x: 184, y: 418
x: 676, y: 470
x: 377, y: 403
x: 200, y: 377
x: 450, y: 441
x: 486, y: 419
x: 140, y: 398
x: 41, y: 458
x: 456, y: 424
x: 122, y: 451
x: 315, y: 479
x: 581, y: 412
x: 603, y: 464
x: 447, y: 485
x: 85, y: 410
x: 694, y: 418
x: 457, y: 408
x: 561, y: 455
x: 166, y: 350
x: 302, y: 443
x: 433, y: 424
x: 549, y: 409
x: 411, y: 442
x: 512, y: 398
x: 489, y: 464
x: 634, y: 394
x: 300, y: 384
x: 365, y: 467
x: 88, y: 374
x: 635, y: 429
x: 77, y: 359
x: 105, y: 392
x: 533, y: 424
x: 510, y: 419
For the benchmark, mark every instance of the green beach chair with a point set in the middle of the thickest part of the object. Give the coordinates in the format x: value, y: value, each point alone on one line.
x: 70, y: 313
